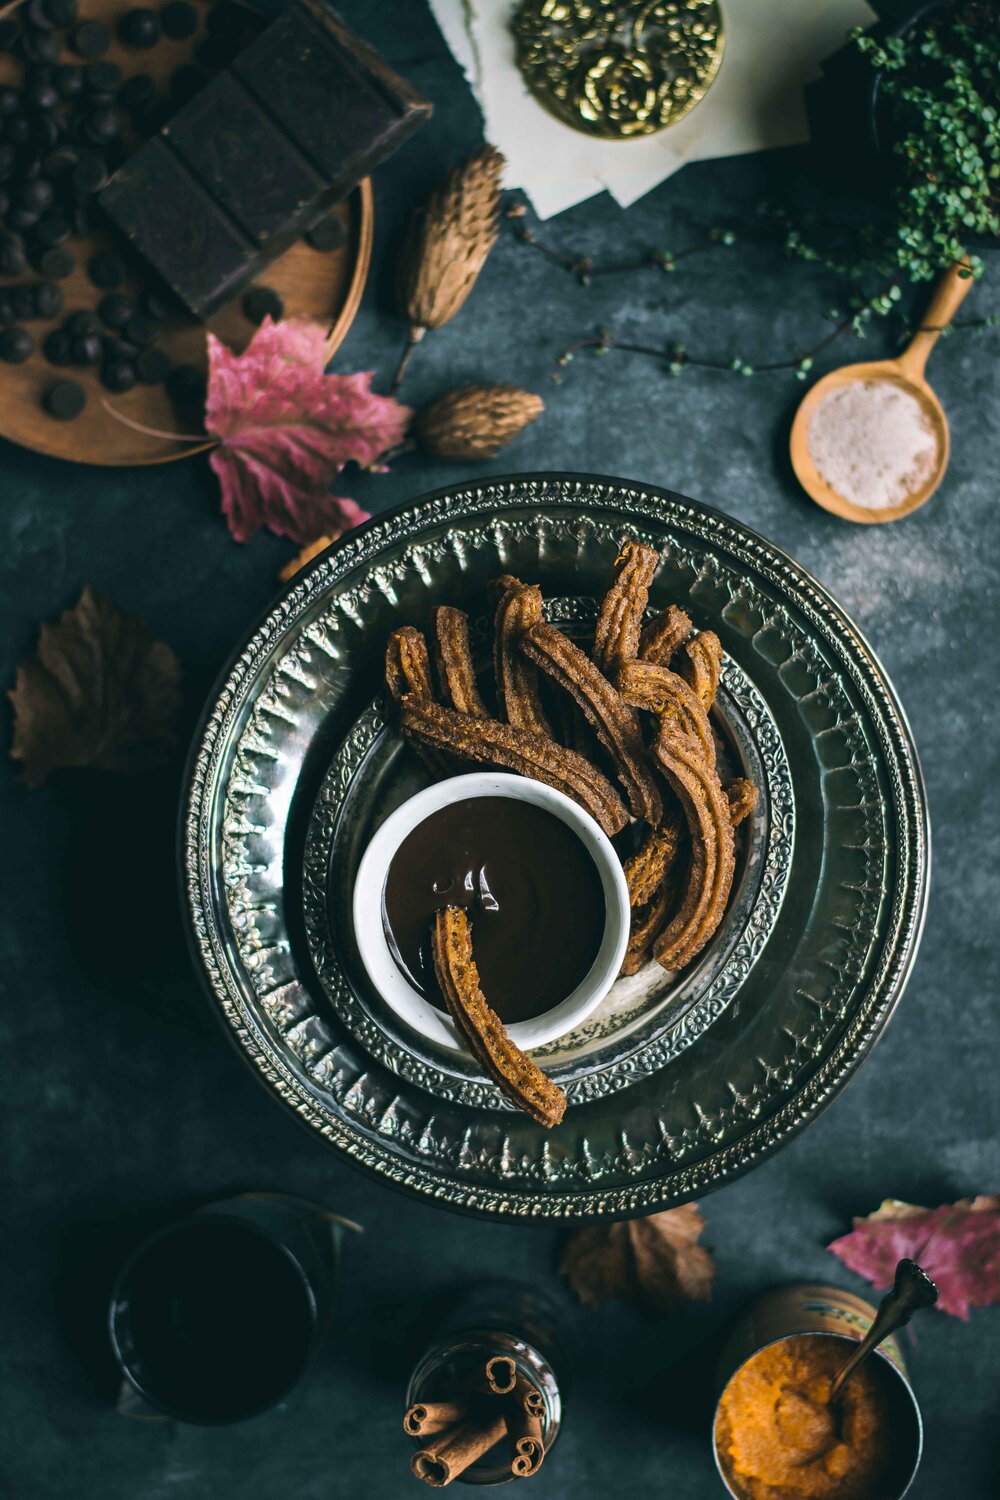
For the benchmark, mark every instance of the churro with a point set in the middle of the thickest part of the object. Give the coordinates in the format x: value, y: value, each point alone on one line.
x: 613, y: 721
x: 456, y: 673
x: 743, y: 797
x: 408, y: 664
x: 711, y: 874
x: 521, y: 1079
x: 664, y: 635
x: 646, y: 868
x: 701, y: 666
x: 488, y: 742
x: 518, y: 695
x: 619, y: 623
x: 647, y: 924
x: 647, y: 685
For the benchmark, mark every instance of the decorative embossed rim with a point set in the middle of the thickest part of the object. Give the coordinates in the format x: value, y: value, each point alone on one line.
x: 856, y: 658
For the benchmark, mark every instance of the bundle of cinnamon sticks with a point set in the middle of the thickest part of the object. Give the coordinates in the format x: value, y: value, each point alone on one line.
x: 497, y: 1403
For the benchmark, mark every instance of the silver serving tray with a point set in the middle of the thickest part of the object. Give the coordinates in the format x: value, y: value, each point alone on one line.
x: 680, y: 1081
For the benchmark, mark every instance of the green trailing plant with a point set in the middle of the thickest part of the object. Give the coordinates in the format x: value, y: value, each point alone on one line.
x: 938, y: 117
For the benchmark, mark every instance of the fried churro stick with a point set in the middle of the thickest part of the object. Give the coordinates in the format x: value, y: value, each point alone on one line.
x: 701, y: 666
x: 743, y: 797
x: 488, y: 742
x: 408, y: 670
x: 619, y: 623
x: 408, y: 665
x: 711, y: 875
x: 518, y: 695
x: 519, y: 1078
x: 646, y: 869
x: 664, y: 635
x: 647, y: 924
x: 456, y: 673
x: 613, y: 721
x: 646, y: 685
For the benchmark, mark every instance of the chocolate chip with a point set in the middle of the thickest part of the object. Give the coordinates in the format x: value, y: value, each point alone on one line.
x: 61, y: 12
x: 39, y: 46
x: 13, y: 261
x: 57, y: 262
x: 328, y: 234
x: 65, y: 400
x: 52, y: 229
x: 262, y: 302
x: 90, y: 39
x: 87, y: 351
x: 36, y: 195
x: 57, y: 347
x: 137, y: 92
x: 102, y: 77
x: 141, y: 330
x: 119, y: 376
x: 179, y: 20
x: 81, y: 324
x: 68, y: 80
x: 16, y: 345
x: 89, y: 174
x: 139, y: 28
x: 115, y: 310
x: 152, y: 366
x: 49, y: 299
x: 106, y: 270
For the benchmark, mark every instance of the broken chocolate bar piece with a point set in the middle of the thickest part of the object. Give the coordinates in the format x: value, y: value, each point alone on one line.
x: 260, y: 155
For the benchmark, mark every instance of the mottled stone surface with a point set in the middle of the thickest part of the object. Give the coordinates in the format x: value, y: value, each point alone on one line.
x: 121, y: 1101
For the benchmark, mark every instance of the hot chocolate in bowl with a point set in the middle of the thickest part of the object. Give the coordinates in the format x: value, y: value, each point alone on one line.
x: 543, y: 887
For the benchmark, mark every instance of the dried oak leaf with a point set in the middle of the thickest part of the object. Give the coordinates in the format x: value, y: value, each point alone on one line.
x: 98, y: 690
x: 958, y: 1245
x: 285, y: 430
x: 655, y: 1260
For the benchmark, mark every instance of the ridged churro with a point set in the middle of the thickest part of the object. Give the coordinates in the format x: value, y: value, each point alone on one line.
x: 613, y: 721
x: 518, y: 695
x: 646, y: 868
x: 456, y: 673
x: 711, y: 874
x: 488, y: 742
x: 518, y: 1076
x: 408, y: 664
x: 743, y: 797
x: 619, y: 623
x: 647, y: 685
x: 664, y: 635
x: 700, y: 664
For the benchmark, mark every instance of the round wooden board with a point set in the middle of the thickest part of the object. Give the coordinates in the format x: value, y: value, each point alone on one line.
x: 324, y: 285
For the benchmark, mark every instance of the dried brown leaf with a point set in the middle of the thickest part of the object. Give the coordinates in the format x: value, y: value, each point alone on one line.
x: 98, y: 690
x: 655, y: 1260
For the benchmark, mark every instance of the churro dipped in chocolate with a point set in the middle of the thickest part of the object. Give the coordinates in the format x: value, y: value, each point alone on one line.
x: 711, y: 874
x: 611, y: 718
x: 521, y: 1079
x: 518, y: 696
x: 488, y: 742
x: 456, y: 673
x: 664, y: 635
x: 619, y: 623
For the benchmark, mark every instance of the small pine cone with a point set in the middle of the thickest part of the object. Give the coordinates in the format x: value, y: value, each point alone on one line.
x: 475, y: 421
x: 448, y: 242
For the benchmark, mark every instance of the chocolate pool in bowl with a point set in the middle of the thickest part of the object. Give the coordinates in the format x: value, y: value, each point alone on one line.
x: 532, y: 891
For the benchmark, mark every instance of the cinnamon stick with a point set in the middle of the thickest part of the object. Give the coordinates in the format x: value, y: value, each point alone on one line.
x: 501, y: 1374
x: 428, y: 1417
x: 527, y: 1450
x: 451, y: 1453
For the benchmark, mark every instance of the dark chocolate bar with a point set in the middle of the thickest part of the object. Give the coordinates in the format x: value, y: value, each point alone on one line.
x: 260, y: 154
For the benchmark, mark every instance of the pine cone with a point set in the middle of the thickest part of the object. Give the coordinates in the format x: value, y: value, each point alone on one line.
x: 448, y: 241
x: 475, y: 421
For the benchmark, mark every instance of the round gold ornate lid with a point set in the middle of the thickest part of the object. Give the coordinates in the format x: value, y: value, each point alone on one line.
x: 618, y: 71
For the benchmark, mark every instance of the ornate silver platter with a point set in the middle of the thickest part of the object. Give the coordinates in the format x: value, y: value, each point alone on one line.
x: 680, y: 1082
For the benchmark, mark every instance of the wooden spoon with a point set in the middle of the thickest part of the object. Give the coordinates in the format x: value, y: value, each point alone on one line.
x: 907, y: 371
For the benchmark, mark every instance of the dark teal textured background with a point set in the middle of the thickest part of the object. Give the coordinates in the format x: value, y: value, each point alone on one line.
x: 120, y: 1100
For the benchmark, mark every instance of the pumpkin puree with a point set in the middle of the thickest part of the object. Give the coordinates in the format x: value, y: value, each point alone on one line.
x: 776, y: 1434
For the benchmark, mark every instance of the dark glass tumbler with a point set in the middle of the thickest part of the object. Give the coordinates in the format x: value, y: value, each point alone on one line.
x: 215, y: 1317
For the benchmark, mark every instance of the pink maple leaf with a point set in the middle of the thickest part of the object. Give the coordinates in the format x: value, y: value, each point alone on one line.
x: 958, y: 1245
x: 285, y: 430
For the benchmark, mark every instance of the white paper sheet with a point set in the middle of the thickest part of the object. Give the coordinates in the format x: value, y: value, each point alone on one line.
x: 773, y: 48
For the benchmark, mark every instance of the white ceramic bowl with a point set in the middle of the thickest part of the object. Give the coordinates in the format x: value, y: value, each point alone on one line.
x: 376, y: 955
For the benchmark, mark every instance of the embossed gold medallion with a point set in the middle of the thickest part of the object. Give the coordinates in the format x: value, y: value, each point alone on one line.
x: 619, y: 71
